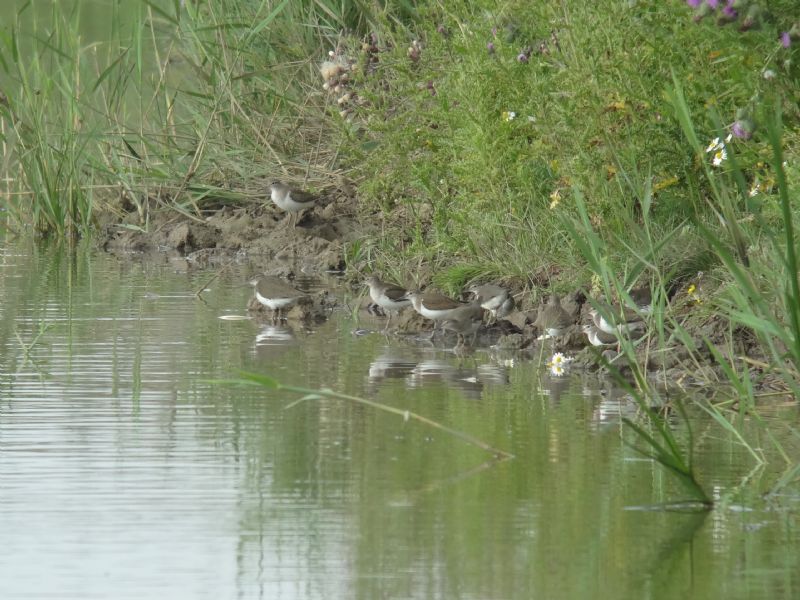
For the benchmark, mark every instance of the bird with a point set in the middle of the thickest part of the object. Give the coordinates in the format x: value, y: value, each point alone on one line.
x: 436, y: 307
x: 388, y: 296
x: 553, y: 320
x: 290, y: 200
x: 643, y: 299
x: 493, y: 298
x: 464, y: 327
x: 598, y: 337
x: 623, y: 320
x: 275, y: 294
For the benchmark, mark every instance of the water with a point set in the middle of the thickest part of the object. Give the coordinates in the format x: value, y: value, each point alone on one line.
x: 127, y: 472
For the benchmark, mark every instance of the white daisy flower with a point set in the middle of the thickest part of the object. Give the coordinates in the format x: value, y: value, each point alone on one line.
x: 559, y: 359
x: 715, y: 145
x: 509, y: 115
x: 719, y: 157
x: 557, y: 370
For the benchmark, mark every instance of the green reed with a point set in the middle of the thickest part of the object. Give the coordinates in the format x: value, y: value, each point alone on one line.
x: 179, y: 108
x: 661, y: 444
x: 758, y: 260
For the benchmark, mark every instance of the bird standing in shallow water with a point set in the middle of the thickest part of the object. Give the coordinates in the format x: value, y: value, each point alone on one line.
x: 463, y: 328
x: 290, y: 200
x: 436, y: 307
x: 388, y: 296
x: 275, y: 294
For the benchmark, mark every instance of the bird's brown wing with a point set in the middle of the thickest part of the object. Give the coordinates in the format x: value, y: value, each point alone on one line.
x: 395, y: 292
x: 303, y: 197
x: 439, y: 302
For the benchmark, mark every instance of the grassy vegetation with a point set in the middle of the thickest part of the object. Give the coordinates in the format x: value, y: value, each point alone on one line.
x: 549, y: 144
x: 176, y: 108
x: 593, y: 111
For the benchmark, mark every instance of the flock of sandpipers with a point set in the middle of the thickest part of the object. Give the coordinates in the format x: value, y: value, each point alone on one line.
x: 466, y: 318
x: 606, y: 326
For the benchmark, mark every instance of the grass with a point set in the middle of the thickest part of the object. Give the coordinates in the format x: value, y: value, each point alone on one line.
x: 552, y: 145
x: 591, y: 113
x: 180, y: 108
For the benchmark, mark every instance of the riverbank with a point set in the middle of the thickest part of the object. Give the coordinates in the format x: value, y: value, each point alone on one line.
x: 583, y: 149
x: 260, y: 235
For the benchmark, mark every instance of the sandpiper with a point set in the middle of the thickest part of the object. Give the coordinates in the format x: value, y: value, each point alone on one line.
x: 598, y: 337
x: 553, y: 320
x: 388, y: 296
x: 290, y: 200
x: 623, y: 321
x: 493, y: 298
x: 463, y: 328
x: 643, y: 299
x: 275, y: 294
x: 436, y: 307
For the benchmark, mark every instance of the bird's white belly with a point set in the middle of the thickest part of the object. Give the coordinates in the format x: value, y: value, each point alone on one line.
x: 285, y: 202
x: 274, y: 303
x: 434, y: 314
x: 389, y: 304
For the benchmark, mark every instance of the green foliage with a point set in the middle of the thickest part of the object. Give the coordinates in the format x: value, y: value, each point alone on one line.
x: 592, y: 110
x: 174, y: 106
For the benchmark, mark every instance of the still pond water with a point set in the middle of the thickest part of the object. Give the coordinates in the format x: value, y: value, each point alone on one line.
x: 126, y: 472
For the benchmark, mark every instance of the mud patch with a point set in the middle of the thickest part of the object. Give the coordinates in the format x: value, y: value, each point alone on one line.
x: 259, y: 233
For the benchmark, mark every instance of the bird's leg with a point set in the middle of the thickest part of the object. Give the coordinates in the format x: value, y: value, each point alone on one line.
x: 459, y: 339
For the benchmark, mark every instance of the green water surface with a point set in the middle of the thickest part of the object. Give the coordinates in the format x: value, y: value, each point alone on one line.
x: 126, y: 472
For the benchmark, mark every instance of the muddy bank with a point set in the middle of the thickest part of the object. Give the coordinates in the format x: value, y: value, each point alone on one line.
x: 260, y: 234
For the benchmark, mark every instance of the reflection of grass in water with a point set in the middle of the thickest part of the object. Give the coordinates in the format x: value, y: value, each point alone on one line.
x: 27, y: 348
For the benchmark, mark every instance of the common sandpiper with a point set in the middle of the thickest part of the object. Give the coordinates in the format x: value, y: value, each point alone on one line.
x: 290, y: 200
x: 497, y: 300
x: 275, y: 294
x: 392, y: 298
x: 553, y: 320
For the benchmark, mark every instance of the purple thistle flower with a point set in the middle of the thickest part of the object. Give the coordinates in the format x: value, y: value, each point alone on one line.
x: 693, y: 3
x: 490, y: 47
x: 741, y: 130
x: 712, y: 4
x: 729, y: 11
x: 786, y: 39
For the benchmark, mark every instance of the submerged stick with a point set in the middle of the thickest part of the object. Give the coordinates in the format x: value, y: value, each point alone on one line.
x: 406, y: 414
